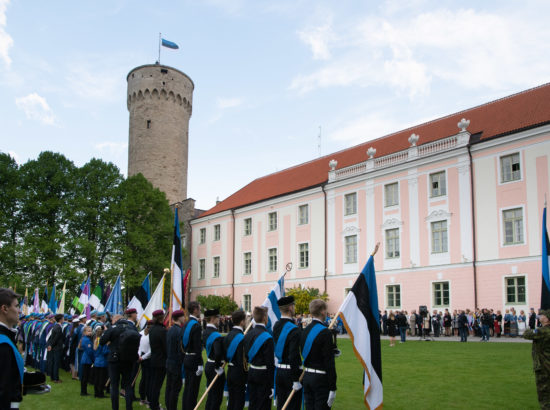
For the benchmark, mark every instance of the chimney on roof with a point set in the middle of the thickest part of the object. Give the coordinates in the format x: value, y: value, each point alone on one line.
x: 218, y: 200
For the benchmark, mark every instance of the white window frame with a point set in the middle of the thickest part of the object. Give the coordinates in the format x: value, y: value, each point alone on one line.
x: 398, y: 244
x: 430, y: 186
x: 351, y: 207
x: 394, y: 196
x: 272, y: 227
x: 432, y: 284
x: 500, y: 174
x: 503, y: 229
x: 306, y: 265
x: 247, y: 302
x: 387, y: 295
x: 202, y: 236
x: 216, y: 267
x: 505, y: 292
x: 202, y: 269
x: 272, y: 253
x: 433, y: 251
x: 247, y: 270
x: 303, y: 220
x: 217, y: 232
x: 247, y: 230
x: 347, y: 260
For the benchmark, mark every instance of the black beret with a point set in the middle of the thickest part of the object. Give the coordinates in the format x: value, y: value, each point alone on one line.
x: 286, y: 300
x: 212, y: 312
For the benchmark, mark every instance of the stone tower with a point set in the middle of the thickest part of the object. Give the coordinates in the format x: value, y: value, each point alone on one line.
x: 160, y: 104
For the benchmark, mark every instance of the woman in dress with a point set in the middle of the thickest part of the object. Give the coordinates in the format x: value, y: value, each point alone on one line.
x: 507, y: 323
x: 522, y: 322
x: 392, y: 328
x: 498, y: 321
x: 513, y: 323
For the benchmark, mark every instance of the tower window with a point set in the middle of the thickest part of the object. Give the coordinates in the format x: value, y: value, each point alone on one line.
x: 164, y: 71
x: 148, y: 123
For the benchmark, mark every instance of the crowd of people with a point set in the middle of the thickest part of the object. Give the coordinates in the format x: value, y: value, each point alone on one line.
x: 483, y: 323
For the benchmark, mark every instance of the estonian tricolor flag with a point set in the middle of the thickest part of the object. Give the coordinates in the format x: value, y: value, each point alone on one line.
x: 169, y: 44
x: 545, y: 293
x: 360, y: 315
x: 142, y: 296
x: 177, y: 302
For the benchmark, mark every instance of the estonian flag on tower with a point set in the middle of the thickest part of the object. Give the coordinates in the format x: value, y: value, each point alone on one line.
x: 169, y: 44
x: 545, y: 293
x: 360, y: 315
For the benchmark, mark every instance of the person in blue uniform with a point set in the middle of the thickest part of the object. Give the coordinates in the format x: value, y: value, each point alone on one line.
x: 101, y: 352
x: 259, y: 351
x: 86, y: 360
x: 236, y: 371
x: 157, y: 341
x: 174, y: 360
x: 318, y: 352
x: 212, y: 341
x: 286, y: 336
x: 192, y: 362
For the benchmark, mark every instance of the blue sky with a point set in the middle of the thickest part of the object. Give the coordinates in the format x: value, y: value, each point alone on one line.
x: 267, y: 74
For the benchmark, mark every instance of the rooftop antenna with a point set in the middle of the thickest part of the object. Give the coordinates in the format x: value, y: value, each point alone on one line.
x: 319, y: 141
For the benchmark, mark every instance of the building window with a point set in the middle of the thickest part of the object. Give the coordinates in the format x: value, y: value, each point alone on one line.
x: 391, y: 194
x: 351, y: 249
x: 303, y: 215
x: 247, y: 263
x: 216, y: 267
x: 247, y: 229
x: 513, y: 226
x: 515, y: 290
x: 217, y: 232
x: 393, y: 296
x: 202, y: 268
x: 438, y: 184
x: 272, y: 218
x: 392, y: 243
x: 247, y: 302
x: 304, y: 255
x: 441, y: 294
x: 272, y: 257
x: 439, y: 237
x: 510, y: 168
x: 350, y: 202
x: 184, y: 241
x: 203, y: 235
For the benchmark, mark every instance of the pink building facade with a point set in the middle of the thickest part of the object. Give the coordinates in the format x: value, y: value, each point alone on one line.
x: 456, y: 205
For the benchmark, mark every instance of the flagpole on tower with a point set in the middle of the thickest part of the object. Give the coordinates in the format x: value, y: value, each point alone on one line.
x: 160, y: 34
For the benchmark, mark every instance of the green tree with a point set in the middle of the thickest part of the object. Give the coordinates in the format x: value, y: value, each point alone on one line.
x: 146, y: 240
x: 304, y: 295
x: 225, y: 304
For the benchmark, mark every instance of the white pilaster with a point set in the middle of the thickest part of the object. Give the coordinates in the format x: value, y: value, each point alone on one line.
x: 414, y: 231
x: 371, y: 226
x: 464, y: 187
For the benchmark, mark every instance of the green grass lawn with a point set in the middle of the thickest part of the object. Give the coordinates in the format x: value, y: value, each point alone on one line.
x: 416, y: 375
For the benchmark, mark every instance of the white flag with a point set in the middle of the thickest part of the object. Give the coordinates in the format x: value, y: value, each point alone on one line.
x: 155, y: 303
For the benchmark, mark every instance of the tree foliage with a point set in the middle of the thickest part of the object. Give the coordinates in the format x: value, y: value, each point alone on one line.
x: 304, y: 295
x: 225, y: 304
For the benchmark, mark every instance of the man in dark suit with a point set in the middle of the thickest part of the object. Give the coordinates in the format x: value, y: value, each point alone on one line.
x: 174, y: 361
x: 318, y: 350
x: 55, y: 347
x: 259, y: 351
x: 286, y: 336
x: 236, y: 372
x: 157, y: 340
x: 212, y: 341
x: 192, y: 362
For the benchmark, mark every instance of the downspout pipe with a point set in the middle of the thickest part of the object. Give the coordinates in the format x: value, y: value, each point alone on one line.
x: 474, y: 235
x: 326, y: 240
x: 234, y: 257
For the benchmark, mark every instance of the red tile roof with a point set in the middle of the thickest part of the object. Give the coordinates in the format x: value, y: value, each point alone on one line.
x: 519, y: 111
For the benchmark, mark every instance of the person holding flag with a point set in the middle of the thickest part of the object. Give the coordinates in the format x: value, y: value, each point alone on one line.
x: 192, y: 362
x: 236, y: 373
x: 212, y: 340
x: 174, y: 360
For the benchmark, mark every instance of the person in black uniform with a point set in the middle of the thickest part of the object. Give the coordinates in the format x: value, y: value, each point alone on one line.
x: 174, y: 361
x: 236, y: 372
x: 286, y: 337
x: 318, y: 351
x: 213, y: 343
x: 12, y: 365
x: 259, y: 351
x: 192, y: 362
x: 120, y: 372
x: 55, y: 347
x: 157, y: 340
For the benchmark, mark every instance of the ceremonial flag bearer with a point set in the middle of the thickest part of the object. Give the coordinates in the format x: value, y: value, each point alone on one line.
x: 259, y: 350
x: 236, y: 372
x: 174, y: 360
x: 286, y: 337
x: 192, y: 362
x: 157, y: 341
x: 213, y: 343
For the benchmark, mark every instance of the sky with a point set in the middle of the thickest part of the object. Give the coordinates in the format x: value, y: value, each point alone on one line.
x: 270, y: 76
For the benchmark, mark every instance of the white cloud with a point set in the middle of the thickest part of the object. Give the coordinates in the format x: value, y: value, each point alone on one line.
x: 224, y: 103
x: 36, y: 108
x: 319, y: 39
x: 366, y: 128
x: 113, y: 148
x: 96, y: 82
x: 5, y: 39
x: 464, y: 47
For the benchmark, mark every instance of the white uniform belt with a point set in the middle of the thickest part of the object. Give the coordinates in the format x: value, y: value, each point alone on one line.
x: 283, y: 366
x: 230, y: 364
x: 258, y: 367
x: 210, y: 361
x: 310, y: 370
x: 190, y: 354
x: 15, y: 404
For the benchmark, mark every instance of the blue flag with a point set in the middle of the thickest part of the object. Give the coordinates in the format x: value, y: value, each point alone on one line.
x: 545, y: 291
x: 53, y: 302
x: 169, y: 44
x: 114, y: 303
